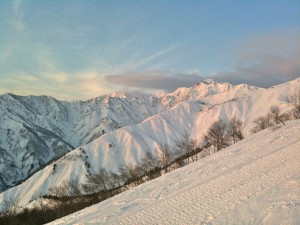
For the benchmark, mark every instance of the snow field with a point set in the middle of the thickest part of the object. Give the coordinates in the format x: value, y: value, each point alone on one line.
x: 256, y: 181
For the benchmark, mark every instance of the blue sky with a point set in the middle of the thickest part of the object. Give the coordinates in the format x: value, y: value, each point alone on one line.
x: 73, y: 49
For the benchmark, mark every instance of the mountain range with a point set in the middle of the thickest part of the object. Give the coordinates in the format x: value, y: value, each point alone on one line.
x: 36, y: 130
x: 44, y: 141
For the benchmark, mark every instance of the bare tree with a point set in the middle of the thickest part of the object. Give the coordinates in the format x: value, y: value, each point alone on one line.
x: 130, y: 174
x: 42, y: 204
x: 185, y: 145
x: 10, y: 212
x: 294, y: 114
x: 59, y: 191
x: 294, y: 100
x: 10, y: 207
x: 74, y: 187
x: 149, y: 164
x: 97, y: 181
x: 216, y: 135
x: 276, y: 116
x: 124, y: 174
x: 65, y: 198
x: 235, y: 129
x: 261, y: 123
x: 115, y: 180
x: 195, y: 157
x: 165, y: 156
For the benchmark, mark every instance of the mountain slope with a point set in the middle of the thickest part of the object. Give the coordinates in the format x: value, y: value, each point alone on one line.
x: 130, y: 144
x: 256, y: 181
x: 38, y: 129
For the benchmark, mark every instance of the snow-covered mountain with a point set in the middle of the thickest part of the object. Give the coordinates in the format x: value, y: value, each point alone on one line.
x: 187, y: 109
x: 35, y: 130
x: 255, y: 181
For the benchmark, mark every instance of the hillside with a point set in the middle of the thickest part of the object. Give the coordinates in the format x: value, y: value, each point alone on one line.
x: 256, y: 181
x: 130, y: 144
x: 36, y: 130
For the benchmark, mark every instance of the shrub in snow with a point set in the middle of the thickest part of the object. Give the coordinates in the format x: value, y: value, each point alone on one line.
x: 217, y: 136
x: 294, y: 100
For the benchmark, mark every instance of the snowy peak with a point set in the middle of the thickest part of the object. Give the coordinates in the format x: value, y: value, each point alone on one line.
x: 209, y: 81
x: 37, y: 129
x: 210, y: 87
x: 118, y: 94
x: 202, y: 89
x: 207, y: 88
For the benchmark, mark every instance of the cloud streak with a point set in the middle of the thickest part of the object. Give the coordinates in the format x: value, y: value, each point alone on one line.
x: 156, y: 55
x: 265, y: 61
x: 140, y: 61
x: 79, y: 86
x: 155, y: 80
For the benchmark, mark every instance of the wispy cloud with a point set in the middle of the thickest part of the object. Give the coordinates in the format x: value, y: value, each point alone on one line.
x: 63, y: 86
x: 156, y: 80
x: 138, y: 60
x: 266, y: 60
x: 89, y: 84
x: 156, y: 56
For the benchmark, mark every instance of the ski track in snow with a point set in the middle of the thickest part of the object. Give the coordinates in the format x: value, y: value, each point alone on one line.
x: 218, y: 196
x: 204, y: 192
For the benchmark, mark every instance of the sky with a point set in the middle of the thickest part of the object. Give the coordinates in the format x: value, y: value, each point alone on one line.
x: 76, y: 49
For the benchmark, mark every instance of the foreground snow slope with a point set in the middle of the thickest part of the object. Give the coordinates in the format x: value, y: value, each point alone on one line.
x: 256, y: 181
x: 130, y: 144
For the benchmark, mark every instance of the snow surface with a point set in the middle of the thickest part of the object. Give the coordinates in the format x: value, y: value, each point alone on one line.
x: 130, y: 143
x: 256, y: 181
x: 38, y: 129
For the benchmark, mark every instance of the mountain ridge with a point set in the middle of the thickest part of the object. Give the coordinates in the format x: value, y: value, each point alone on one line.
x: 29, y: 120
x: 241, y: 184
x: 130, y: 143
